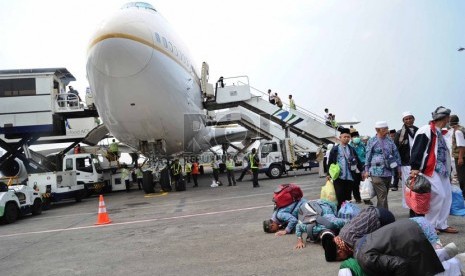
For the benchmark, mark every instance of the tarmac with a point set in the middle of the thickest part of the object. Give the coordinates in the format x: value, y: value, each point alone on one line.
x: 201, y: 231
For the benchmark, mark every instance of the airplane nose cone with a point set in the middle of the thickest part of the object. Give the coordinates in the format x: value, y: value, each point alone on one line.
x: 121, y: 49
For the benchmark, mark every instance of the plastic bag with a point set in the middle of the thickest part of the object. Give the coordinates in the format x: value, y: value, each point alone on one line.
x: 328, y: 193
x: 334, y: 171
x: 457, y: 207
x: 348, y: 210
x: 367, y: 191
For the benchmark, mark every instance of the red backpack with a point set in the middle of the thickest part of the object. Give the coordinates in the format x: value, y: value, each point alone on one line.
x: 285, y: 194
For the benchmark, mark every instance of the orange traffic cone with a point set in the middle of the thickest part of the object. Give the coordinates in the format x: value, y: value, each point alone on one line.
x: 102, y: 217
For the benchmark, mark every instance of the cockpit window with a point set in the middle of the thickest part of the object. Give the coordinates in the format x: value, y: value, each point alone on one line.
x: 139, y: 5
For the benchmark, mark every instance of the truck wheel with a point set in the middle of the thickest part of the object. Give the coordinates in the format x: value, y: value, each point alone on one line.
x: 275, y: 171
x: 11, y: 213
x: 37, y: 207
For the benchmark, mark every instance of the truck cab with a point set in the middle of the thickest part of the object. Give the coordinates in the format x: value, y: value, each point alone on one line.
x: 88, y: 170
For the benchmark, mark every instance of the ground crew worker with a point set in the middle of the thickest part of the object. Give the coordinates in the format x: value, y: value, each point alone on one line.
x: 140, y: 176
x: 230, y: 164
x: 216, y: 170
x: 77, y: 149
x: 195, y: 172
x: 188, y: 170
x: 113, y: 150
x: 291, y: 103
x: 254, y: 161
x: 176, y: 170
x: 125, y: 176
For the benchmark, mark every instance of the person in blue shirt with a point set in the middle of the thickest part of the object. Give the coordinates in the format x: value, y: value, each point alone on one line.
x: 345, y: 157
x: 359, y: 147
x: 382, y: 157
x: 287, y: 216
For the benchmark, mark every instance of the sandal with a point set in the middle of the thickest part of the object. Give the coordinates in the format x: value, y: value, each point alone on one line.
x: 450, y: 230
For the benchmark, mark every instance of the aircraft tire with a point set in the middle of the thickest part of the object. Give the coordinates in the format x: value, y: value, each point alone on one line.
x: 147, y: 182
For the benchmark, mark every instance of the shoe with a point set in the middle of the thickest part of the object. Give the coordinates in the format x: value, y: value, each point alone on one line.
x: 451, y: 249
x: 256, y: 186
x: 394, y: 189
x: 368, y: 202
x: 461, y: 258
x: 195, y: 186
x: 358, y: 201
x: 449, y: 230
x: 239, y: 180
x: 230, y: 185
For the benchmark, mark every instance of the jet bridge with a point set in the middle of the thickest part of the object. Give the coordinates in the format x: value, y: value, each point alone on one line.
x: 34, y: 108
x: 234, y: 93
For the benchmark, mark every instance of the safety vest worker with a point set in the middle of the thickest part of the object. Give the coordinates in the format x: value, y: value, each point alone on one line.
x: 113, y: 147
x: 195, y: 168
x: 253, y: 163
x: 230, y: 164
x: 188, y: 167
x: 176, y: 167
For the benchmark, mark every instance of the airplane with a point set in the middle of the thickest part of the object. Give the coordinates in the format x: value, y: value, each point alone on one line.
x: 146, y: 88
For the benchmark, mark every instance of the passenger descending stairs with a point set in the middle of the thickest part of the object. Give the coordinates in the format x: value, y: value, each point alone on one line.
x: 242, y: 104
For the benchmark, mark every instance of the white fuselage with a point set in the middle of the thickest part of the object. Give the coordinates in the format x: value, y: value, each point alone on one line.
x: 143, y: 81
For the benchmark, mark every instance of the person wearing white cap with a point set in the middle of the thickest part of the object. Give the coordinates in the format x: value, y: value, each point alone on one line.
x: 458, y: 149
x: 382, y: 157
x: 431, y: 157
x: 404, y: 141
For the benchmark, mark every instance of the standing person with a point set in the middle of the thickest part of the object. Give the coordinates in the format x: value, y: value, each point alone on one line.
x: 344, y: 156
x: 176, y: 170
x: 325, y: 159
x: 395, y: 176
x: 320, y: 156
x: 75, y: 99
x: 125, y: 177
x: 271, y: 97
x: 278, y: 101
x: 230, y: 164
x: 139, y: 176
x: 458, y: 150
x: 216, y: 170
x: 404, y: 141
x: 327, y: 117
x: 254, y: 162
x: 195, y: 172
x: 381, y: 158
x: 245, y: 168
x: 113, y: 150
x: 188, y: 170
x: 360, y: 150
x: 77, y: 149
x: 291, y: 103
x: 431, y: 157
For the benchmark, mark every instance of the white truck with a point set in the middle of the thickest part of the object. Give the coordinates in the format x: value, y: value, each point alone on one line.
x: 279, y: 156
x: 18, y: 200
x: 89, y: 173
x: 57, y: 186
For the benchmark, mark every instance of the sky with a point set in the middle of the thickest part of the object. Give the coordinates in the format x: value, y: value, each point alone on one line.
x: 365, y: 60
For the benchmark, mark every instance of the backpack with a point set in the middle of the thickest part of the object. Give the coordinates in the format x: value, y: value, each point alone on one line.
x: 309, y: 212
x: 285, y: 194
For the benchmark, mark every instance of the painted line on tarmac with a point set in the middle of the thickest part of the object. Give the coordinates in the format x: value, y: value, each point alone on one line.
x: 155, y: 195
x: 134, y: 222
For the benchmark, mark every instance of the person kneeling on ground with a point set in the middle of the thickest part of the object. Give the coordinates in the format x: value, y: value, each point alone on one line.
x: 317, y: 218
x: 284, y: 216
x: 368, y: 220
x: 405, y: 248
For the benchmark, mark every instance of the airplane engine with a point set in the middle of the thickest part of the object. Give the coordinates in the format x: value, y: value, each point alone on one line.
x: 14, y: 168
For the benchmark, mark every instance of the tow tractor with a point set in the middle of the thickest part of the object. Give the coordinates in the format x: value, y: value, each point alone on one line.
x: 18, y: 200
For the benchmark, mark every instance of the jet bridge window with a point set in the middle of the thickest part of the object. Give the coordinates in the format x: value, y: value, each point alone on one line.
x: 84, y: 165
x: 17, y: 87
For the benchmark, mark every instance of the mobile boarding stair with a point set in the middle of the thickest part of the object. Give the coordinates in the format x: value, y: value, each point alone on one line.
x: 235, y: 92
